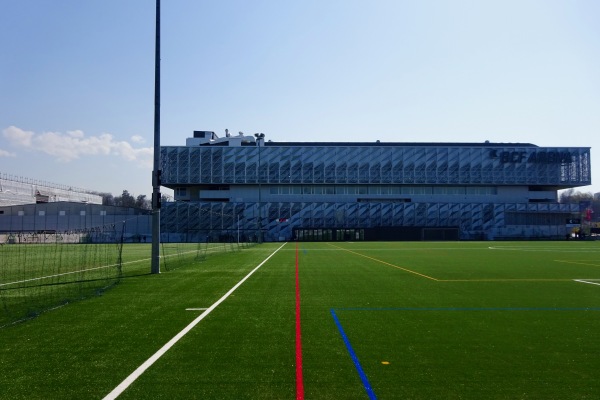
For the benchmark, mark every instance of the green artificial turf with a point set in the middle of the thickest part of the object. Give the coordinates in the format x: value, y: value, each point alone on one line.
x: 459, y: 320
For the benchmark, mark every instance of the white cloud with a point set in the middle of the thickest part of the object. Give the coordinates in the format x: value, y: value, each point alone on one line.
x: 4, y: 153
x: 74, y: 145
x: 76, y: 134
x: 138, y: 139
x: 18, y: 137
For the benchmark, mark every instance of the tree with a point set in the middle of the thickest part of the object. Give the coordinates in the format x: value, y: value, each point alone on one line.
x: 125, y: 200
x: 107, y: 199
x: 571, y: 196
x: 142, y: 202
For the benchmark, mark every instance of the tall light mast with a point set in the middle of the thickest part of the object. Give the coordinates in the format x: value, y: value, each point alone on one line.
x: 155, y: 258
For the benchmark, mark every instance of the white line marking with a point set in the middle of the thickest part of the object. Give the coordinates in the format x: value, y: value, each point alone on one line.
x: 148, y: 363
x: 195, y: 309
x: 582, y: 281
x: 91, y: 269
x: 52, y: 276
x: 555, y: 250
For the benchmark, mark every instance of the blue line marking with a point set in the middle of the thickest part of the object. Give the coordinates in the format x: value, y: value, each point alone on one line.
x: 469, y: 309
x: 359, y: 369
x: 361, y: 372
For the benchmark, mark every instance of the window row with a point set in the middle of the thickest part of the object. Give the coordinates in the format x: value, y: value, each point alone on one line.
x: 380, y: 190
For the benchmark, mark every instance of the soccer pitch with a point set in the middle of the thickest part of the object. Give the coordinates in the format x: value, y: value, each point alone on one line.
x: 448, y: 320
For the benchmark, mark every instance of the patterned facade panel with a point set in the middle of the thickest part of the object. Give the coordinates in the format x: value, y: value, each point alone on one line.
x: 364, y: 214
x: 499, y: 213
x: 409, y: 166
x: 194, y: 172
x: 173, y: 172
x: 205, y: 167
x: 386, y: 214
x: 453, y: 165
x: 182, y: 217
x: 466, y: 217
x: 352, y: 214
x: 487, y: 216
x: 285, y: 166
x: 454, y: 214
x: 398, y: 214
x: 409, y: 214
x: 228, y: 215
x: 373, y: 164
x: 273, y: 211
x: 420, y: 166
x: 194, y: 216
x: 317, y: 217
x: 204, y: 216
x: 476, y: 165
x: 169, y: 218
x: 475, y: 220
x: 397, y: 165
x: 432, y: 215
x: 477, y: 217
x: 183, y: 165
x: 374, y: 214
x: 341, y: 172
x: 444, y: 215
x: 285, y: 210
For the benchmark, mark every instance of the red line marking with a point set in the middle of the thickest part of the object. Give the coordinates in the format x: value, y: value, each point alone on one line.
x: 299, y: 381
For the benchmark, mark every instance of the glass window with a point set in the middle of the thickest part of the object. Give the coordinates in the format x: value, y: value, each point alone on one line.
x: 422, y: 190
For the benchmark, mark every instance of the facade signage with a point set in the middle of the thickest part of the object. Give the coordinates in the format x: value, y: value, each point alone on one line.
x: 536, y: 157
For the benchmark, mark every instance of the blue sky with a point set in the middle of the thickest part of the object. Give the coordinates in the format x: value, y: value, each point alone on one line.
x: 77, y: 77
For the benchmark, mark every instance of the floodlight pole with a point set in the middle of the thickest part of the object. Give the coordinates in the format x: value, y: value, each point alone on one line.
x: 260, y: 137
x: 155, y: 257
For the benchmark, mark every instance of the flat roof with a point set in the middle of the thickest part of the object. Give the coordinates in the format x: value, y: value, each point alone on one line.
x: 397, y: 144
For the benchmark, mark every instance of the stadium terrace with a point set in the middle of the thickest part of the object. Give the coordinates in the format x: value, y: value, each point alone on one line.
x: 238, y: 185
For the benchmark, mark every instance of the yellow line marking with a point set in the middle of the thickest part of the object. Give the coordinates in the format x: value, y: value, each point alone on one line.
x: 506, y: 280
x: 577, y: 262
x: 386, y: 263
x: 470, y: 280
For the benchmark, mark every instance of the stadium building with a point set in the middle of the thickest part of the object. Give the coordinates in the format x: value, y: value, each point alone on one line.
x: 241, y: 186
x: 34, y: 211
x: 16, y: 190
